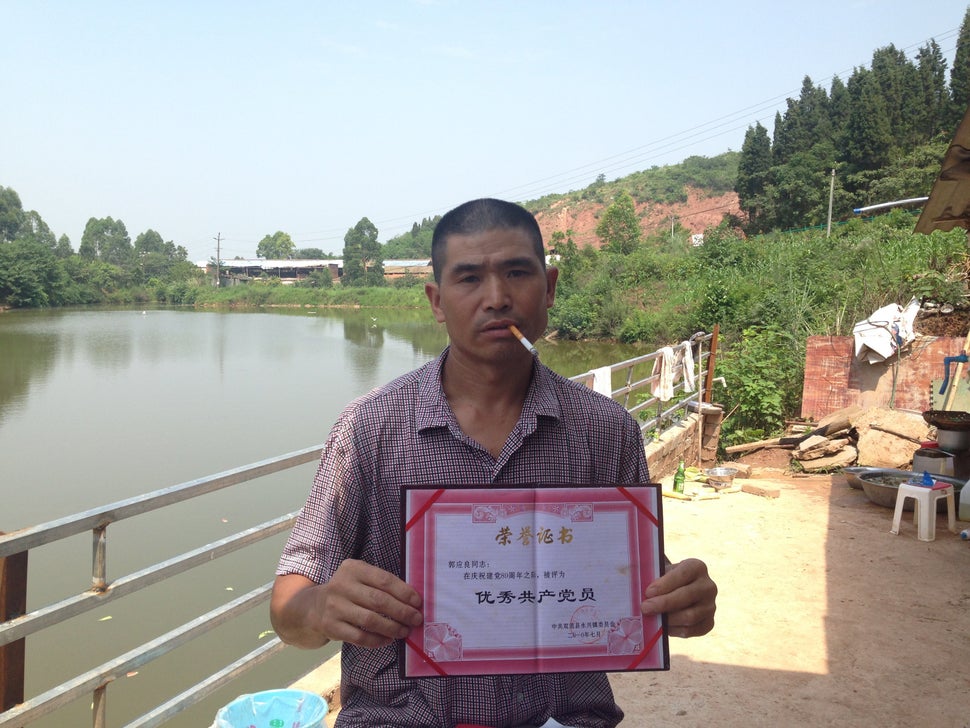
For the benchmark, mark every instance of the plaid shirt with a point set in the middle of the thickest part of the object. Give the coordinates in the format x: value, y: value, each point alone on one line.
x: 404, y: 433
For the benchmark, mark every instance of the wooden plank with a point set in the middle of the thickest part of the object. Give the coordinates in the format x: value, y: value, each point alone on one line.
x: 712, y: 359
x: 760, y: 490
x: 744, y: 447
x: 13, y: 603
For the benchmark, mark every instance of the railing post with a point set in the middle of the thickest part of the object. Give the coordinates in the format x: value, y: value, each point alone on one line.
x: 13, y: 603
x: 99, y: 559
x: 99, y: 712
x: 711, y: 360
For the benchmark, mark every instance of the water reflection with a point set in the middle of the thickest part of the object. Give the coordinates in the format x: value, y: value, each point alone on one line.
x: 26, y: 356
x: 100, y: 405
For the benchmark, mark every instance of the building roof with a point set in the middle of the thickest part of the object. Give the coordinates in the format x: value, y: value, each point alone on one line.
x: 267, y: 264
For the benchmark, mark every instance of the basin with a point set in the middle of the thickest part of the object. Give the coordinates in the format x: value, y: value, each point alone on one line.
x: 719, y: 478
x: 881, y: 485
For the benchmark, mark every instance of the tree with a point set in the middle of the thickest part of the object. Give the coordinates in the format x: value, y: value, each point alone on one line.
x: 839, y: 104
x: 151, y: 242
x: 619, y: 228
x: 898, y: 82
x: 63, y: 248
x: 753, y: 168
x: 278, y: 246
x: 106, y: 239
x: 868, y: 137
x: 11, y: 214
x: 934, y: 99
x: 363, y: 258
x: 311, y: 254
x: 805, y: 123
x: 34, y: 229
x: 960, y: 76
x: 30, y: 275
x: 413, y: 244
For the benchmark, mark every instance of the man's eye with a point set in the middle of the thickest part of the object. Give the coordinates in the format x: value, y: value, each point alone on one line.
x: 468, y: 279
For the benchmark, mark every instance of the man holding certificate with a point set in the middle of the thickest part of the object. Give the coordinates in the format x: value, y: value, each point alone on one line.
x: 485, y: 418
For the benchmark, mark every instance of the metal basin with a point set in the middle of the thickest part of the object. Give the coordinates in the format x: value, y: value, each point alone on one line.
x: 852, y: 476
x: 881, y: 485
x: 719, y: 478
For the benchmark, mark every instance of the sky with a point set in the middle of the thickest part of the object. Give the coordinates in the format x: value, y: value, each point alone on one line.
x: 237, y: 119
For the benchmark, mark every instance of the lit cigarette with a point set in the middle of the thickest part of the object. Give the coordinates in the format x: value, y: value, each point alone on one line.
x: 524, y: 341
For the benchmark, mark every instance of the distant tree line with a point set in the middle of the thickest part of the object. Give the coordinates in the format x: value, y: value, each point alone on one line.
x: 884, y: 132
x: 37, y: 269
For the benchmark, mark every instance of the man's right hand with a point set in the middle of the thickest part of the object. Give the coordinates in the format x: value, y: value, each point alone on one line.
x: 361, y: 604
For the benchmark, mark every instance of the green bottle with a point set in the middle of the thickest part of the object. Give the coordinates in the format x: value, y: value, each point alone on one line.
x: 679, y: 478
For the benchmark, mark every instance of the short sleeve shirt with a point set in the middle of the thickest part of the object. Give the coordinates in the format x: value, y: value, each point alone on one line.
x: 406, y: 433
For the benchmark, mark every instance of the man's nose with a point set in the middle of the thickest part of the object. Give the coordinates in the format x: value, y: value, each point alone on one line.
x: 497, y: 293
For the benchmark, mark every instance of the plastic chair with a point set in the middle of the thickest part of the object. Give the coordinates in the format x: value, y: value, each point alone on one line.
x: 924, y: 510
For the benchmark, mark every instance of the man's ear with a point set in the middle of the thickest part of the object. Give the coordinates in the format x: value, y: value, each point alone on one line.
x: 433, y: 293
x: 552, y: 276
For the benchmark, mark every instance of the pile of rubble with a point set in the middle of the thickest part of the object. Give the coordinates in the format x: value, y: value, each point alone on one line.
x: 874, y: 437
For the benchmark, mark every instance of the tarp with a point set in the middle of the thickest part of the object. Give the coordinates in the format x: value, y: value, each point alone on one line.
x: 885, y: 332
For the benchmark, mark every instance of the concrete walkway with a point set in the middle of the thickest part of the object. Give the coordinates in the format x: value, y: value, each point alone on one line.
x: 824, y: 617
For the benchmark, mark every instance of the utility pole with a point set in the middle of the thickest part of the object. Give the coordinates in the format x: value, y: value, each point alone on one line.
x: 828, y: 229
x: 218, y: 239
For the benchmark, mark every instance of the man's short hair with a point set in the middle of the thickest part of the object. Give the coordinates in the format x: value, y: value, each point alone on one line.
x: 478, y: 216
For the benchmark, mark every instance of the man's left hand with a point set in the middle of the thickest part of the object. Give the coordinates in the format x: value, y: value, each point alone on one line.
x: 687, y: 594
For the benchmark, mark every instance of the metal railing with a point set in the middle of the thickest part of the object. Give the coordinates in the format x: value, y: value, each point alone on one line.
x: 640, y: 377
x: 17, y: 624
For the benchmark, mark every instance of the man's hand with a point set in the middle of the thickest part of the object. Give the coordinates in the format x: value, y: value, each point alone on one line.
x: 687, y: 594
x: 361, y: 604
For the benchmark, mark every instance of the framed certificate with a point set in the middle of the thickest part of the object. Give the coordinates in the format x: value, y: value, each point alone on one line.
x: 532, y: 579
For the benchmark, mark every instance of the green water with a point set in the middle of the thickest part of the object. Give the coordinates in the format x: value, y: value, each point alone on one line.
x: 101, y: 405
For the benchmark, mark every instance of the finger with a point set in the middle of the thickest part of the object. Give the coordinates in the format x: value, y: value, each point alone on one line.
x: 677, y: 575
x: 385, y: 613
x: 385, y: 585
x: 377, y: 622
x: 694, y: 630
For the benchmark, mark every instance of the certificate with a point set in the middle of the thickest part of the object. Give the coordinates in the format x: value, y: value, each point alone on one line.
x: 532, y: 579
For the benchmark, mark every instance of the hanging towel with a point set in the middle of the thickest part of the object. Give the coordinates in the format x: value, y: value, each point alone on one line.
x: 603, y: 381
x: 688, y: 367
x: 663, y: 386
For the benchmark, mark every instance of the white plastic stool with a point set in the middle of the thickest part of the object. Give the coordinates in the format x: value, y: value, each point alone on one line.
x: 924, y: 509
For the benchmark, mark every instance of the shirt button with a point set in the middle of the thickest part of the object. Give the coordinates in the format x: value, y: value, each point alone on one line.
x: 521, y: 697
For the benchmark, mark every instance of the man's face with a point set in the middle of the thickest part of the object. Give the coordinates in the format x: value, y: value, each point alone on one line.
x: 490, y: 280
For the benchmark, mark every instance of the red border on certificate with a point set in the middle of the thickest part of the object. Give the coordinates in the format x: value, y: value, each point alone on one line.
x: 532, y: 579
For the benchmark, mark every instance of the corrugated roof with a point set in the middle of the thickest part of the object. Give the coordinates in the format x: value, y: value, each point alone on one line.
x: 266, y: 264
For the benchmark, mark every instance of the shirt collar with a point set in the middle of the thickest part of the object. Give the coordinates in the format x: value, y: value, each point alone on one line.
x: 433, y: 409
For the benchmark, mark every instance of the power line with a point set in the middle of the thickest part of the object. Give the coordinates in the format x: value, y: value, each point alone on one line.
x: 637, y: 156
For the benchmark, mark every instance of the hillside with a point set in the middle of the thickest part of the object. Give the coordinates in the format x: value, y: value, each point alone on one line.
x: 700, y: 211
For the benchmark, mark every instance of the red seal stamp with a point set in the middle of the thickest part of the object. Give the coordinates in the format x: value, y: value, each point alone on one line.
x: 587, y: 625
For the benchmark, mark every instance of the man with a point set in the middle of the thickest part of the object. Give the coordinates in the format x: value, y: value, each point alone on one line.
x: 484, y: 412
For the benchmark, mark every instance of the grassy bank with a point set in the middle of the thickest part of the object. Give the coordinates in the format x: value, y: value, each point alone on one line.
x: 245, y: 296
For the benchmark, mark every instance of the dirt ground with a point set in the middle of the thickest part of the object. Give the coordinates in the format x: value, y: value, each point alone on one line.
x: 824, y: 617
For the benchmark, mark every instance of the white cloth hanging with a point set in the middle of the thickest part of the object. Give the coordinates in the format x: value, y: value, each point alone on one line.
x: 603, y: 381
x: 688, y: 364
x: 664, y: 365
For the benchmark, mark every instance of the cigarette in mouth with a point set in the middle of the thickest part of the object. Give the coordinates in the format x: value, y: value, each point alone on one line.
x: 524, y: 341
